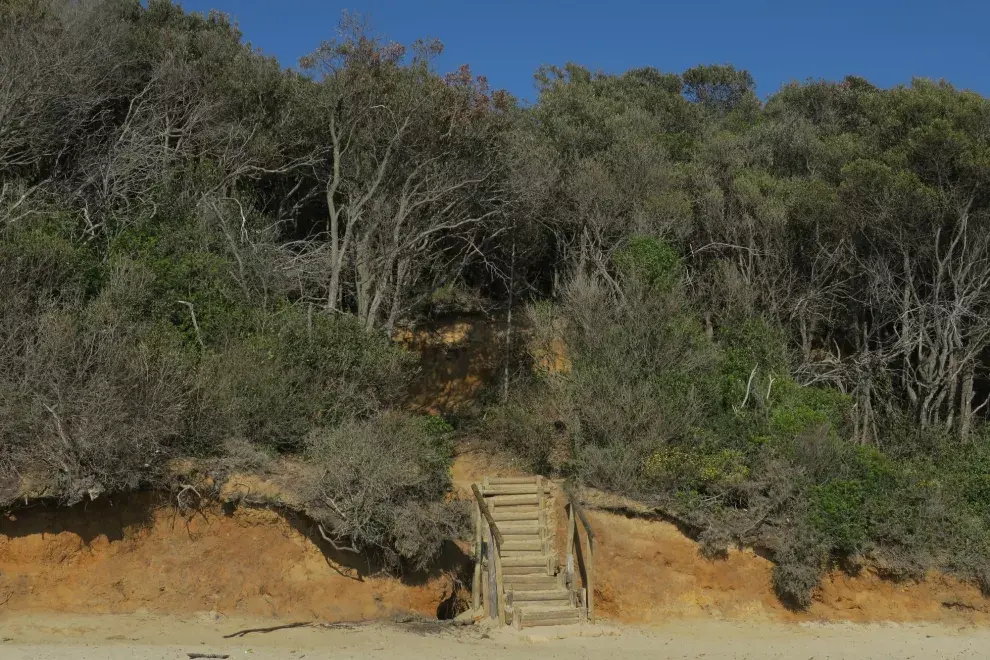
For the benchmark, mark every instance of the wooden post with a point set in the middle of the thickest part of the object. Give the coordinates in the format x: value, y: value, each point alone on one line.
x: 499, y: 585
x: 571, y: 529
x: 499, y: 595
x: 591, y: 578
x: 577, y: 511
x: 492, y: 577
x: 478, y: 557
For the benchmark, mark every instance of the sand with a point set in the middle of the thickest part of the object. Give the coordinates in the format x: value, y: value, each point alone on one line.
x: 143, y: 637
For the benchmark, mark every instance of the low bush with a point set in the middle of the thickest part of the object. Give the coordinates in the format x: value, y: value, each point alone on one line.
x: 383, y: 488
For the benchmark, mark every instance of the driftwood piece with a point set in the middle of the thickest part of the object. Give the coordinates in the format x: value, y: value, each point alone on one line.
x: 241, y: 633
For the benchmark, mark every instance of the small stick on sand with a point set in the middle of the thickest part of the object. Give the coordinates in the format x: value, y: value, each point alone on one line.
x: 241, y: 633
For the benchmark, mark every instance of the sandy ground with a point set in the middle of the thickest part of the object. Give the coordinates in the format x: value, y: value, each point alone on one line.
x: 143, y: 637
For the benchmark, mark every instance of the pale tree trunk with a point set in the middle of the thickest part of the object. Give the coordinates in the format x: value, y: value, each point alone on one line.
x: 508, y: 328
x: 966, y: 401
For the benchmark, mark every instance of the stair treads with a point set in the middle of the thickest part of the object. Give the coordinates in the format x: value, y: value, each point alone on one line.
x: 533, y: 583
x: 516, y: 528
x: 516, y: 513
x: 528, y: 617
x: 518, y: 581
x: 525, y: 560
x: 535, y: 614
x: 514, y: 543
x: 513, y: 489
x: 513, y: 500
x: 524, y: 570
x: 541, y: 595
x: 498, y: 481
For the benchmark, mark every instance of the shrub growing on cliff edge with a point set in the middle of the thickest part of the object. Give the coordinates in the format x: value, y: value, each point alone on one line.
x: 383, y: 488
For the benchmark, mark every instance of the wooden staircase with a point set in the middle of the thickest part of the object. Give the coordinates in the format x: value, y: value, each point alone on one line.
x: 518, y: 578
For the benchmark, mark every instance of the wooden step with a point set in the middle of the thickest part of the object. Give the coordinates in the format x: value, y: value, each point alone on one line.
x: 515, y: 553
x: 531, y: 582
x: 534, y: 559
x: 527, y: 617
x: 516, y: 513
x: 542, y: 596
x: 517, y: 528
x: 518, y: 588
x: 513, y: 489
x: 540, y: 571
x: 516, y: 500
x: 514, y: 543
x: 511, y: 480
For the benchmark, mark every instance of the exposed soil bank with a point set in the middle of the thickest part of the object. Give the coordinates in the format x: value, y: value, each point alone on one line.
x: 649, y: 572
x: 137, y: 554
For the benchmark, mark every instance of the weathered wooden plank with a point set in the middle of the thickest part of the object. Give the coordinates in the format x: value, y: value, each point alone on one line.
x: 512, y: 543
x: 518, y: 581
x: 517, y: 500
x: 542, y: 595
x: 511, y: 489
x: 525, y: 560
x: 500, y: 481
x: 525, y: 570
x: 508, y: 515
x: 516, y: 528
x: 561, y: 621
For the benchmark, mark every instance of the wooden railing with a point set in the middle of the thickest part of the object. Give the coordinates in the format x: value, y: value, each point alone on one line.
x: 494, y: 585
x: 575, y: 513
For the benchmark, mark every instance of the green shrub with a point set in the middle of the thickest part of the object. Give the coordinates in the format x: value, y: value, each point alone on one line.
x: 839, y: 514
x: 303, y: 372
x: 650, y: 260
x: 697, y: 468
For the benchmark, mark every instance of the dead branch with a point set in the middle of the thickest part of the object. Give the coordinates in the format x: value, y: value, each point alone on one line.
x: 192, y: 314
x: 248, y: 631
x: 333, y: 542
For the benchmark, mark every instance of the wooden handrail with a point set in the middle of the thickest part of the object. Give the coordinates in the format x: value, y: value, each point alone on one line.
x: 577, y: 511
x: 498, y: 597
x: 486, y: 512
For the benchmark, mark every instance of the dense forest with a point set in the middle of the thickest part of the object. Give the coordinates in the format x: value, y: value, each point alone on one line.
x: 775, y: 313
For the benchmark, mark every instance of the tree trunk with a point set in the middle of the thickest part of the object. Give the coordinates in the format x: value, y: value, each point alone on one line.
x: 508, y: 329
x: 966, y: 401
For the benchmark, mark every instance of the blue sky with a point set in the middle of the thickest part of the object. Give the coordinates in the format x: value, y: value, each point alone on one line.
x: 885, y: 41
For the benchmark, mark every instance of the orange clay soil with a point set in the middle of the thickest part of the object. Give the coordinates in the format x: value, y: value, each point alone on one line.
x: 648, y: 572
x: 140, y: 555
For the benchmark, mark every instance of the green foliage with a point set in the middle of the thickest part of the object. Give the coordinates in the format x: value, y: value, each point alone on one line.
x: 839, y: 513
x: 795, y: 409
x: 718, y: 87
x: 46, y: 255
x: 184, y: 266
x: 301, y: 373
x: 651, y: 261
x: 697, y: 468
